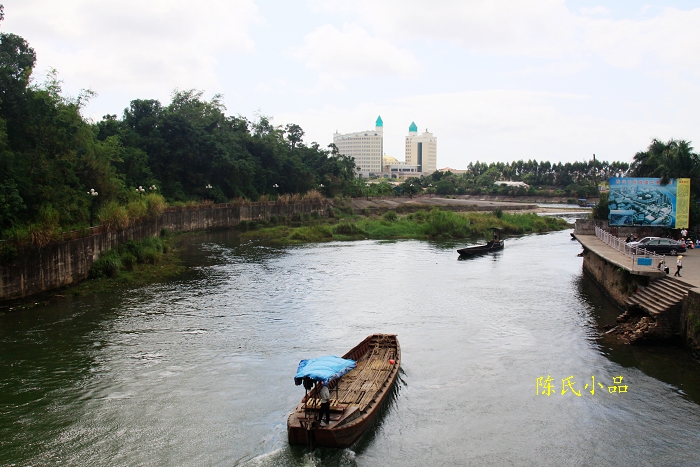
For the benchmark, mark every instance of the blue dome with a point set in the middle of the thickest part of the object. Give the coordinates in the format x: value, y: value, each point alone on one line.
x: 413, y: 128
x: 379, y: 121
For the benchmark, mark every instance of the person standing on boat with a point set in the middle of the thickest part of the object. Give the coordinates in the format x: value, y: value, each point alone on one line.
x: 325, y: 403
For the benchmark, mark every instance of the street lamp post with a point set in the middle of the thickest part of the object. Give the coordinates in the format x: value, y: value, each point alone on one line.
x: 93, y: 194
x: 153, y: 188
x: 208, y: 188
x: 410, y: 190
x: 140, y: 191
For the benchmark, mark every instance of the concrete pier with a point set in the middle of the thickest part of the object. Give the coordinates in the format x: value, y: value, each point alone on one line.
x: 630, y: 285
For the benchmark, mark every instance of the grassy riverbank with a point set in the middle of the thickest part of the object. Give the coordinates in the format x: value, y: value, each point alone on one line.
x: 135, y: 263
x: 422, y: 225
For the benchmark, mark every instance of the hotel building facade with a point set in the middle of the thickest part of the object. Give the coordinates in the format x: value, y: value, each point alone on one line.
x: 421, y: 150
x: 365, y: 147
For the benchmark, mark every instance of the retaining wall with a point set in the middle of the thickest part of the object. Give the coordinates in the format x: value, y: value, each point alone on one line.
x: 690, y: 321
x: 617, y: 282
x: 64, y: 263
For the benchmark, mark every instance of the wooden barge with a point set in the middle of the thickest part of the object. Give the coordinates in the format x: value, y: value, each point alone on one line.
x: 355, y: 398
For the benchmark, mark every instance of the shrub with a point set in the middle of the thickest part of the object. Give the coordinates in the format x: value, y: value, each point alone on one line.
x: 315, y: 233
x: 40, y: 235
x: 150, y: 255
x: 108, y: 265
x: 313, y: 196
x: 446, y: 224
x: 8, y: 253
x: 136, y: 210
x: 390, y: 216
x: 155, y: 205
x: 113, y: 216
x: 128, y: 261
x: 348, y: 228
x: 498, y: 213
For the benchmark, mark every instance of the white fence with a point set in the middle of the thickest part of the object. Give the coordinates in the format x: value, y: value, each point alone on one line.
x: 649, y: 260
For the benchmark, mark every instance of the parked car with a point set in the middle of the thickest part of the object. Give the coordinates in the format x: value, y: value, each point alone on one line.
x: 664, y: 246
x: 643, y: 241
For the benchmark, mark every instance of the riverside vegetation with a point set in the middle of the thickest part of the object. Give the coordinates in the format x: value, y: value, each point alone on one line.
x: 154, y: 258
x: 435, y: 224
x: 136, y: 262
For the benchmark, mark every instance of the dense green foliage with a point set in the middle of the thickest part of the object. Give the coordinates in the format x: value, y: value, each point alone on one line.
x: 435, y: 224
x: 126, y: 257
x: 576, y: 180
x: 50, y: 156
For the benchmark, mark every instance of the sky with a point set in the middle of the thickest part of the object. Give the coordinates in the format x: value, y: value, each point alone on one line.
x: 493, y: 80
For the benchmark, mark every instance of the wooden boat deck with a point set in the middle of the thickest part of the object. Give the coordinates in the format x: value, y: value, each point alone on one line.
x: 354, y: 398
x: 362, y: 384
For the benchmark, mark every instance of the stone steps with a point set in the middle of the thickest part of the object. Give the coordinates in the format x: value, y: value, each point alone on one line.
x: 660, y: 296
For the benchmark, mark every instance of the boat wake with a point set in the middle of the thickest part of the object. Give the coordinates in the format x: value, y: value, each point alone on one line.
x: 291, y: 457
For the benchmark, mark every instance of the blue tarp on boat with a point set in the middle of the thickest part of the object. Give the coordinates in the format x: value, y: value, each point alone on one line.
x: 324, y: 369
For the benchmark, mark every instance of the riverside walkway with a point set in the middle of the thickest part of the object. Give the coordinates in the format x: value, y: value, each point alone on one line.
x: 690, y: 274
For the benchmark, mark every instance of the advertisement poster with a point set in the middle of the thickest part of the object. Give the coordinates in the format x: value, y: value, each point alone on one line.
x: 646, y: 202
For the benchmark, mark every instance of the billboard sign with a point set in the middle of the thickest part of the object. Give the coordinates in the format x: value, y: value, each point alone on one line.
x: 646, y: 202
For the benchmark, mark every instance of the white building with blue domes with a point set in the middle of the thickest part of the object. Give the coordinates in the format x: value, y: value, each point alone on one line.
x: 365, y: 147
x: 421, y: 150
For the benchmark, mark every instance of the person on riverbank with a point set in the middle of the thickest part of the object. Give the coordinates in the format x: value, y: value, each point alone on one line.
x: 663, y: 267
x: 325, y: 395
x: 679, y: 266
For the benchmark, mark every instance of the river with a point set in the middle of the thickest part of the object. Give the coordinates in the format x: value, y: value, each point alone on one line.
x: 199, y: 370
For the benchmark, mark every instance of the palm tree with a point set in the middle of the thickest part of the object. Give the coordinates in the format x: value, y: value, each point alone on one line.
x: 674, y: 159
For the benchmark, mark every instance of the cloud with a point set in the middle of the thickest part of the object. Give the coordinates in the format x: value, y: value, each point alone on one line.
x: 353, y: 52
x: 132, y: 45
x: 535, y: 29
x: 561, y: 68
x: 673, y: 37
x: 525, y: 27
x: 597, y: 10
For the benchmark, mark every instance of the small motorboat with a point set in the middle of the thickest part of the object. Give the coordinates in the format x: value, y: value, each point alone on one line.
x: 493, y: 245
x: 359, y: 383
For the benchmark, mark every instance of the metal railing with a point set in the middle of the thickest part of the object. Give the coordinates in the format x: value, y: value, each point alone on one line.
x: 649, y: 260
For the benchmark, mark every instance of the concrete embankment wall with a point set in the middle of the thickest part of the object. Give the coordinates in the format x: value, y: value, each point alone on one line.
x: 617, y: 282
x: 61, y: 264
x: 690, y: 321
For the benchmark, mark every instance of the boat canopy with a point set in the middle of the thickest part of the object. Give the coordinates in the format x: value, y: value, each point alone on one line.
x: 324, y: 369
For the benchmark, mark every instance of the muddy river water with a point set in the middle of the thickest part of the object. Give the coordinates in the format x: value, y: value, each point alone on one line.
x: 199, y: 370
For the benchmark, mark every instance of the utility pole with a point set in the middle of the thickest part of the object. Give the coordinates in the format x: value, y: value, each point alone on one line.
x: 595, y: 182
